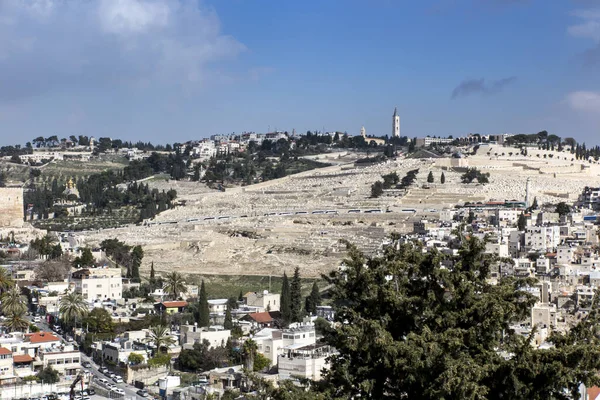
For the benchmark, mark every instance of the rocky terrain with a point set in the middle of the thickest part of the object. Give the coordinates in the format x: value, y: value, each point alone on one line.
x: 302, y: 220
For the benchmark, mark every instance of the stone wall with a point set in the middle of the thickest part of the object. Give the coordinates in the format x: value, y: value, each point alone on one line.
x: 146, y: 375
x: 11, y: 207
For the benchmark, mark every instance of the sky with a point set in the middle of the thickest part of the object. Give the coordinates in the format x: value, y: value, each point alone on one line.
x: 175, y: 70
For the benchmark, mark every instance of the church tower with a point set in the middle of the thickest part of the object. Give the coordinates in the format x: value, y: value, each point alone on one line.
x: 396, y: 124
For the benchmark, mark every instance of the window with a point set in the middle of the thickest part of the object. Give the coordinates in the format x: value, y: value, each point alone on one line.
x: 84, y: 285
x: 98, y: 286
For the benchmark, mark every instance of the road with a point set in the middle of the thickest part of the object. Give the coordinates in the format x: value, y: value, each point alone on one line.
x: 130, y: 391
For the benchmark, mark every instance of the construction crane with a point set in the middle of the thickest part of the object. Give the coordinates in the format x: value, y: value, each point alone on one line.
x: 75, y: 382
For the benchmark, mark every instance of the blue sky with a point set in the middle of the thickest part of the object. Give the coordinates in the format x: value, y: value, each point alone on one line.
x: 174, y: 70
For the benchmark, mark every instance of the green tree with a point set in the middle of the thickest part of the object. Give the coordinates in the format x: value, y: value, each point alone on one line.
x: 228, y: 323
x: 152, y: 279
x: 430, y: 178
x: 203, y: 310
x: 296, y: 297
x: 174, y: 284
x: 135, y: 358
x: 285, y: 302
x: 16, y: 322
x: 313, y: 300
x: 562, y: 208
x: 522, y: 222
x: 6, y: 280
x: 137, y: 254
x: 414, y: 325
x: 471, y: 217
x: 260, y: 363
x: 85, y: 260
x: 99, y: 321
x: 72, y: 307
x: 160, y: 337
x: 377, y: 189
x: 442, y: 178
x: 48, y: 375
x: 534, y: 205
x: 249, y: 349
x: 13, y: 302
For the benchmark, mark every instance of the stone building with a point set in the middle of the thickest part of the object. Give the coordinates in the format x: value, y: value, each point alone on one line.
x: 11, y: 207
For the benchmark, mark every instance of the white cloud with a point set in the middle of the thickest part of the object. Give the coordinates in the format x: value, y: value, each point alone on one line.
x: 133, y: 16
x: 589, y: 27
x: 51, y: 45
x: 585, y: 101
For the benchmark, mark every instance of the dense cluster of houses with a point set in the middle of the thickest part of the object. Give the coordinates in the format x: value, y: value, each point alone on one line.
x: 561, y: 251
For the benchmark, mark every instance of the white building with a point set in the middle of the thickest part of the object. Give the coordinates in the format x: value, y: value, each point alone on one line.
x: 99, y: 283
x: 264, y: 300
x: 192, y: 334
x: 542, y: 238
x: 507, y: 216
x: 565, y: 254
x: 304, y: 361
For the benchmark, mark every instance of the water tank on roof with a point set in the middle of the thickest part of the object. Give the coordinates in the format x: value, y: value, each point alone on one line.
x: 265, y: 292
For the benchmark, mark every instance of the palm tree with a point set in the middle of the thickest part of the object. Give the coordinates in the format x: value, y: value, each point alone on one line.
x: 72, y: 307
x: 160, y: 336
x: 174, y: 285
x: 249, y: 351
x: 16, y: 322
x: 5, y: 279
x: 13, y: 302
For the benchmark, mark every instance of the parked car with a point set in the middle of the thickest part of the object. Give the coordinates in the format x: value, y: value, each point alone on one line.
x: 104, y: 370
x: 118, y: 390
x: 142, y: 393
x: 37, y: 319
x: 117, y: 379
x: 86, y: 364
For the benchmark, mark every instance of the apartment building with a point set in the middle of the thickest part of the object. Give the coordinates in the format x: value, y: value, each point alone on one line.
x: 98, y: 283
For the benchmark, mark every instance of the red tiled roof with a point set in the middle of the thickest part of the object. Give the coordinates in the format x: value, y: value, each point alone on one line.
x: 173, y: 304
x: 593, y: 392
x: 264, y: 317
x: 4, y: 351
x: 22, y: 358
x: 41, y: 337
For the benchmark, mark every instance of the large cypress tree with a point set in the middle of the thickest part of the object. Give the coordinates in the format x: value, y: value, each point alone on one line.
x: 286, y: 311
x: 228, y: 323
x: 152, y: 274
x: 313, y: 300
x: 203, y: 313
x: 137, y: 254
x: 296, y: 297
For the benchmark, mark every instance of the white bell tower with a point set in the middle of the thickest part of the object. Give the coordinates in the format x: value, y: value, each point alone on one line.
x: 396, y: 123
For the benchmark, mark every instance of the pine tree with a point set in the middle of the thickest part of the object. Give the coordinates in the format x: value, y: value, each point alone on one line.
x: 286, y: 311
x: 296, y: 297
x: 203, y: 313
x: 228, y: 323
x: 430, y: 177
x: 430, y: 317
x: 443, y: 178
x: 241, y: 297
